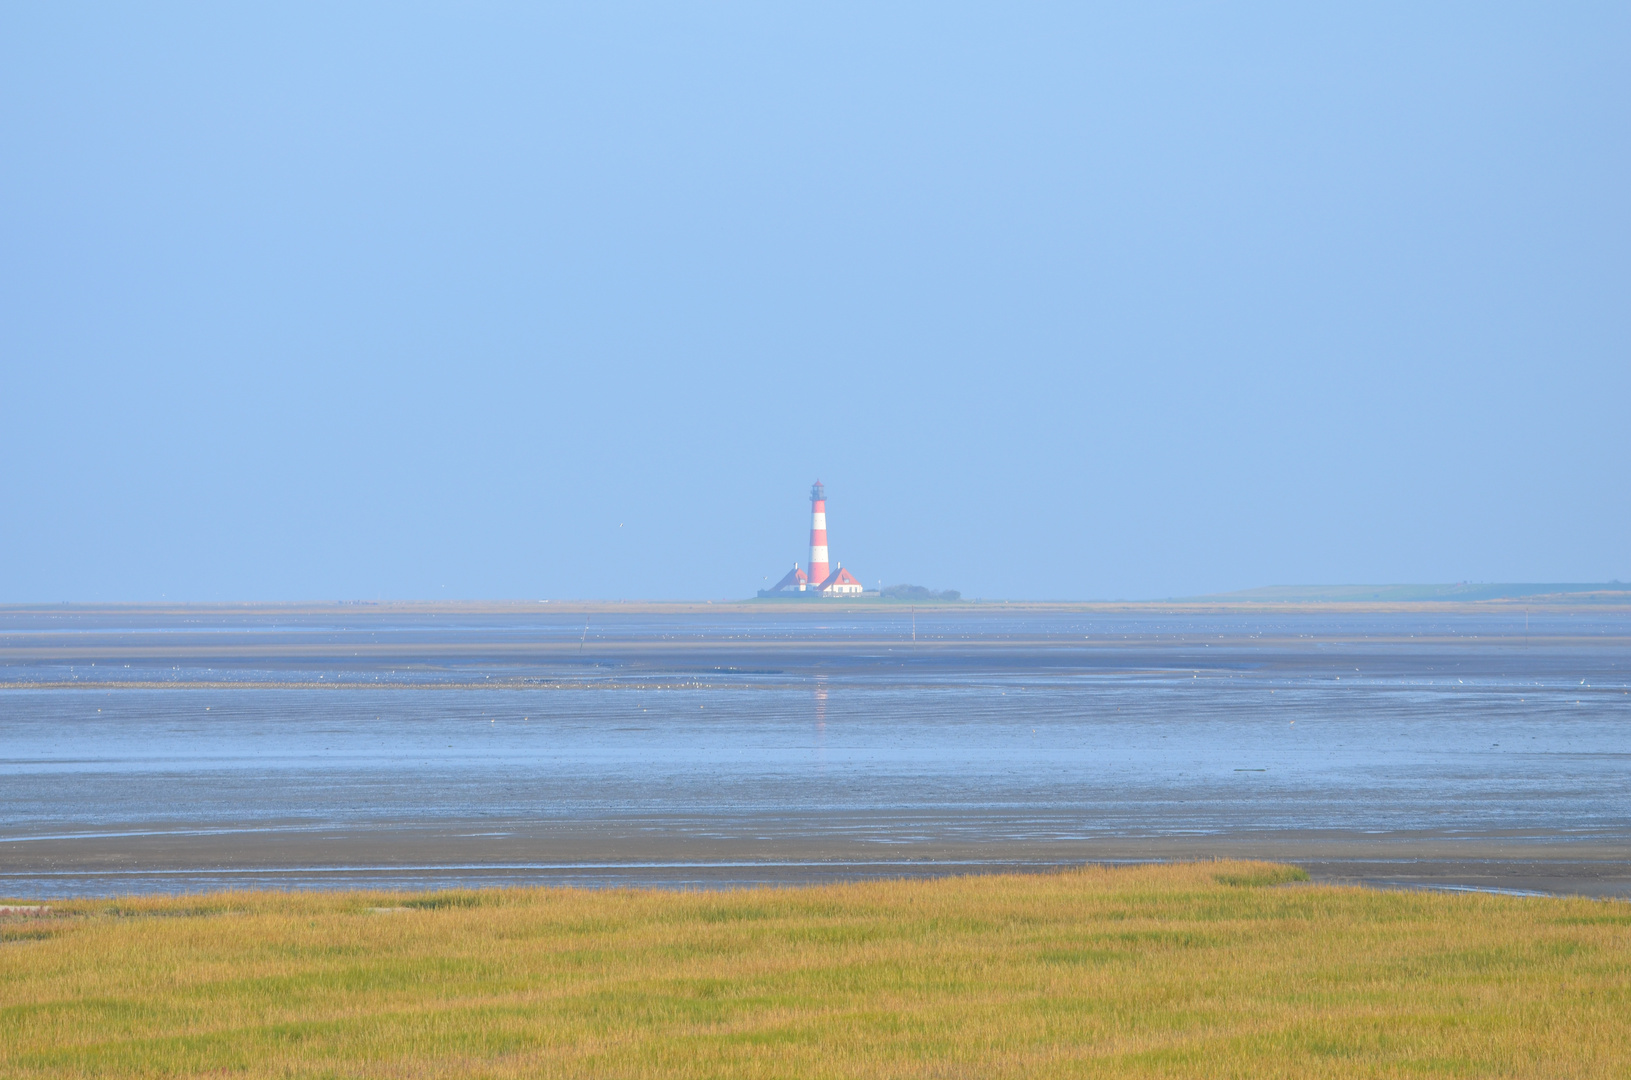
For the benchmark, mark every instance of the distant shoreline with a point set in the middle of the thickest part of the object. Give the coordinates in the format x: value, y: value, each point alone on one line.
x: 1384, y: 600
x: 1568, y: 592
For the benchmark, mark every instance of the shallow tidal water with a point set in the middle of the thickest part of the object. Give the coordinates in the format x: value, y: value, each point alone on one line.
x: 144, y: 751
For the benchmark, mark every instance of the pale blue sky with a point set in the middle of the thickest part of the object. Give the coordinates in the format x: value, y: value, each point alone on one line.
x: 1060, y: 301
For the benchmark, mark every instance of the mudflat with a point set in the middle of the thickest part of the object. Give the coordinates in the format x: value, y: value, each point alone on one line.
x: 415, y: 746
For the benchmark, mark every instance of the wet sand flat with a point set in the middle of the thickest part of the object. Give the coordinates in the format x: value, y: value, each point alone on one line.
x: 148, y: 750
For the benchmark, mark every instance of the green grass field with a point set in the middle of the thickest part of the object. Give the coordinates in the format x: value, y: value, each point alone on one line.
x: 1211, y: 969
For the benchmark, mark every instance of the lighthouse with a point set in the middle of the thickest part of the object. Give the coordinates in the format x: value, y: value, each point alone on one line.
x: 822, y: 579
x: 818, y: 534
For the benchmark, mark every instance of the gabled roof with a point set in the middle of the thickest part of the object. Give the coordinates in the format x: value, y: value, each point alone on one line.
x: 838, y: 577
x: 795, y: 577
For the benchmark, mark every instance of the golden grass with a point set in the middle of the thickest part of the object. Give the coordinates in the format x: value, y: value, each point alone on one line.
x: 1202, y: 969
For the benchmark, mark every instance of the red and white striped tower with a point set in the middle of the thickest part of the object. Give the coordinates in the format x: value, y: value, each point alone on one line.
x: 818, y: 534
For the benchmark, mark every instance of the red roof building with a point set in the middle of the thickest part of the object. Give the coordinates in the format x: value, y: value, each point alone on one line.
x: 840, y: 583
x: 796, y: 581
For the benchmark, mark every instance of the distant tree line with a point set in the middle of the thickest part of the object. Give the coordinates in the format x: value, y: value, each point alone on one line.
x: 918, y: 592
